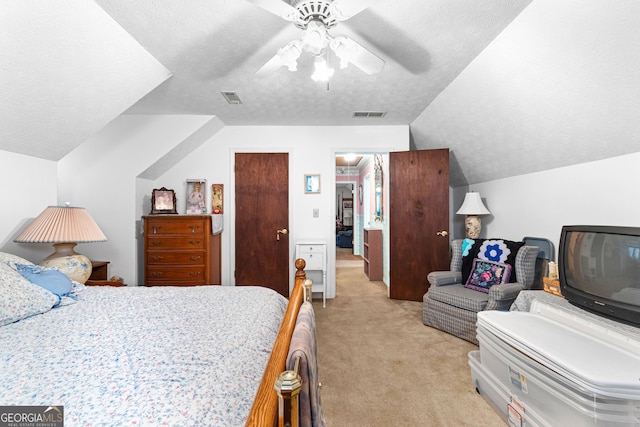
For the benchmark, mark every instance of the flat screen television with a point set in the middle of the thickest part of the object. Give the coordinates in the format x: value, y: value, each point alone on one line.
x: 599, y: 270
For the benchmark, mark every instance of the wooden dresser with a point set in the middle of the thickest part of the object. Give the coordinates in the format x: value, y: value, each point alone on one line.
x: 179, y: 250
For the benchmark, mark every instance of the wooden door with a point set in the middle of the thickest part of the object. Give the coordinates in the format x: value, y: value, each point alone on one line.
x: 262, y: 208
x: 418, y: 210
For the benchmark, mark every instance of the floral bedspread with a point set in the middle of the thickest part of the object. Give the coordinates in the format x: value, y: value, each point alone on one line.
x: 144, y: 356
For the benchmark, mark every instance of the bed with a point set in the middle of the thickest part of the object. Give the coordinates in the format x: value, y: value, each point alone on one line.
x: 202, y: 355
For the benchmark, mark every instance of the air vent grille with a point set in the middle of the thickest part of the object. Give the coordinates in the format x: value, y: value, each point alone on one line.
x: 372, y: 114
x: 232, y: 97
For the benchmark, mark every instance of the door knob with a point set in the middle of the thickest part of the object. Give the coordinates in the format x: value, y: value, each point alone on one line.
x: 281, y: 231
x: 442, y: 233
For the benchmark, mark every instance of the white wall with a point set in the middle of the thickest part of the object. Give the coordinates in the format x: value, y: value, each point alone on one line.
x: 28, y: 187
x: 102, y: 176
x: 311, y: 150
x: 603, y: 192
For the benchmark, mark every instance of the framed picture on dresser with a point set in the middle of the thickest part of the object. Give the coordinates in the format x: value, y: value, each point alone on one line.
x: 196, y: 196
x: 163, y: 201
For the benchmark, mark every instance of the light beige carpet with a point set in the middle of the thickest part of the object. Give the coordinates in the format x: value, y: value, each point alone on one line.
x: 349, y: 264
x: 380, y: 366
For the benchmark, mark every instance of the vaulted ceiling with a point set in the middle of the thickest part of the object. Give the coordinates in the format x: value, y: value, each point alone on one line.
x: 510, y: 86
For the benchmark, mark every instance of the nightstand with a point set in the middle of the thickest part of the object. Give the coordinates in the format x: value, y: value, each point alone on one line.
x: 315, y: 255
x: 104, y: 283
x: 99, y: 270
x: 99, y: 275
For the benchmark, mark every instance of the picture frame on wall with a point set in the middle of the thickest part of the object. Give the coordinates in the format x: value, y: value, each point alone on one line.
x: 196, y: 196
x: 312, y: 184
x: 163, y: 201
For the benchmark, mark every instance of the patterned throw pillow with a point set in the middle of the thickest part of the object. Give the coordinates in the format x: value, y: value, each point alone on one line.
x: 485, y: 274
x: 496, y: 250
x: 20, y: 298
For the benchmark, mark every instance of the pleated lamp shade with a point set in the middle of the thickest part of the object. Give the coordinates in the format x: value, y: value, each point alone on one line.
x: 64, y: 226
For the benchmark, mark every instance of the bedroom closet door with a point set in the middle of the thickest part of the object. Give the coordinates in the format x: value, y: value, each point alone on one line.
x: 262, y: 220
x: 419, y: 214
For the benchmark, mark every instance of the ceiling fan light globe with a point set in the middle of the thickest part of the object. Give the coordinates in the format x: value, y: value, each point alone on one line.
x: 289, y: 55
x: 322, y: 72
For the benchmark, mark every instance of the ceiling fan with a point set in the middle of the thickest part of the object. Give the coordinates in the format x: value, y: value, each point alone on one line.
x: 315, y: 18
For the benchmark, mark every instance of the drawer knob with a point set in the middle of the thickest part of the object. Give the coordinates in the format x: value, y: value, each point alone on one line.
x: 194, y: 257
x: 156, y: 258
x: 194, y: 242
x: 194, y: 273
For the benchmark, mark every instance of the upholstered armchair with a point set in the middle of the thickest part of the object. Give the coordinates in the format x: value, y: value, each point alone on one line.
x: 453, y: 308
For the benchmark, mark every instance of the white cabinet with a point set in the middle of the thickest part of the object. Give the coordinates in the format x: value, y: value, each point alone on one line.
x: 314, y: 253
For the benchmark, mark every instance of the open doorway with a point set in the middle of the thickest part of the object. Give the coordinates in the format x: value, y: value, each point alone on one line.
x: 351, y: 201
x: 346, y: 203
x: 354, y: 212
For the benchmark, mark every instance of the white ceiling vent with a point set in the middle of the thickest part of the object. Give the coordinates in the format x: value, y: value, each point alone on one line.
x: 372, y: 114
x: 231, y: 97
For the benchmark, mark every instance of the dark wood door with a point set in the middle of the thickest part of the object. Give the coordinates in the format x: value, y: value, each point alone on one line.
x: 418, y: 210
x: 262, y: 208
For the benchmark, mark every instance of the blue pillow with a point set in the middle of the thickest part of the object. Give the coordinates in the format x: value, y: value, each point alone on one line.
x: 51, y: 279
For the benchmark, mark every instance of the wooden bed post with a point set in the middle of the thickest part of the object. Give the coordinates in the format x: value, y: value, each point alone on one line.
x: 264, y: 412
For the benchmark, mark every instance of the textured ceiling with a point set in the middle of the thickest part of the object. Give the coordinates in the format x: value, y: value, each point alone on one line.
x: 475, y: 76
x: 214, y: 46
x: 66, y: 70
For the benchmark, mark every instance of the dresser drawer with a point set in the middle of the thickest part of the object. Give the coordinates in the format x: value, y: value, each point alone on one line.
x: 314, y: 261
x: 162, y: 226
x: 194, y: 242
x: 310, y: 249
x: 187, y: 258
x: 175, y: 275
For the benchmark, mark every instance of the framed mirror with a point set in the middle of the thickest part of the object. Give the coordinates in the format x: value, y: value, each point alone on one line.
x: 378, y: 186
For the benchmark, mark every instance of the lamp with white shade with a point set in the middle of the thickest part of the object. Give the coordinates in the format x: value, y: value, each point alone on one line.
x: 473, y: 207
x: 65, y: 227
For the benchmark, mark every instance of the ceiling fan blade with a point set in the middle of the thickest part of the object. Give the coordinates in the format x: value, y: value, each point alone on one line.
x: 350, y: 51
x: 277, y: 7
x: 272, y: 65
x: 345, y: 9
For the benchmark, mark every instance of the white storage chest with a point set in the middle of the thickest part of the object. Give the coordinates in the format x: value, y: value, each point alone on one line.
x: 499, y: 397
x: 566, y: 375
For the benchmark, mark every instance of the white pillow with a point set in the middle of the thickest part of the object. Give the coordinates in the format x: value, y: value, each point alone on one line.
x: 20, y: 298
x: 11, y: 260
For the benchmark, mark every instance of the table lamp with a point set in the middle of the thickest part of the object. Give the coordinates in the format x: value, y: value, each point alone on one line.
x: 65, y: 227
x: 472, y: 207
